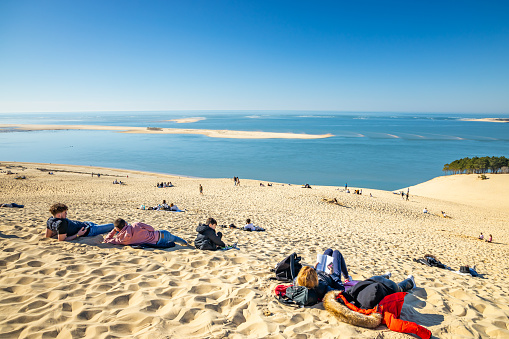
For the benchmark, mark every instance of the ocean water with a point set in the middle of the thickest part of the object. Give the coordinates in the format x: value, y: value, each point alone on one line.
x: 372, y: 150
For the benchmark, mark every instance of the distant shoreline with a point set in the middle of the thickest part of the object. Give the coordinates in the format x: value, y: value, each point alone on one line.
x: 503, y: 120
x: 228, y: 134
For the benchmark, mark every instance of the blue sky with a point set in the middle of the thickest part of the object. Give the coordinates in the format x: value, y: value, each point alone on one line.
x: 392, y: 56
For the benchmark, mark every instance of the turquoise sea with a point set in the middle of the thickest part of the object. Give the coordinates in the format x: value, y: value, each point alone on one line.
x: 372, y: 150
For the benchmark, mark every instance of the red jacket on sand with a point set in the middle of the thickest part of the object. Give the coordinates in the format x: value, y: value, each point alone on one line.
x: 390, y: 308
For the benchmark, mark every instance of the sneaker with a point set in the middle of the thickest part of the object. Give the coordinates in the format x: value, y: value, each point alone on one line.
x: 388, y: 275
x: 411, y: 277
x: 349, y: 278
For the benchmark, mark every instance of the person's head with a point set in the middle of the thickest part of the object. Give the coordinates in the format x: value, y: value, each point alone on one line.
x: 58, y: 210
x: 119, y: 224
x: 164, y: 201
x: 248, y: 221
x: 307, y: 277
x: 171, y: 204
x: 211, y: 222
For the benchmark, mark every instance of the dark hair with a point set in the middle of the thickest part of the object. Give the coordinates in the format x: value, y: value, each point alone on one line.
x: 119, y: 223
x: 57, y: 208
x: 248, y: 221
x: 164, y: 201
x: 211, y: 221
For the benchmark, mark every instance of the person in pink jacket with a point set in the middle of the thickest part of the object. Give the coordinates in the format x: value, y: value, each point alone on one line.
x: 141, y: 234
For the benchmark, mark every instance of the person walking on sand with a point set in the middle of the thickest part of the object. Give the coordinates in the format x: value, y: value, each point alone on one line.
x: 64, y: 229
x: 207, y: 238
x: 201, y: 189
x: 141, y: 234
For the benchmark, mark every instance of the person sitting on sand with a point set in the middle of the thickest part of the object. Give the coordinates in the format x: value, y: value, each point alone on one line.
x: 64, y: 229
x: 164, y: 205
x: 173, y: 207
x: 207, y: 239
x: 443, y: 214
x: 490, y: 239
x: 481, y: 237
x: 250, y: 227
x: 425, y: 210
x: 141, y: 234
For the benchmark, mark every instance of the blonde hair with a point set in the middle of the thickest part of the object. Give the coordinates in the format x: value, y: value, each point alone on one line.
x: 307, y: 277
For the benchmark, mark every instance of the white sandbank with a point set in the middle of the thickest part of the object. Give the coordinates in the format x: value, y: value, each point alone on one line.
x: 155, y: 130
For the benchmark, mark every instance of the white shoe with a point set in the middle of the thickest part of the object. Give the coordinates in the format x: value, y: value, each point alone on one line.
x: 411, y: 277
x: 387, y: 275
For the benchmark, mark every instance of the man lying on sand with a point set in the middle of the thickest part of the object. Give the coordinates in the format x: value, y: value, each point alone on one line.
x: 65, y: 229
x: 141, y: 234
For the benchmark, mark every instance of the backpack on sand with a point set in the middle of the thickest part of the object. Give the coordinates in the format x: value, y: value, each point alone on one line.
x: 288, y: 268
x: 296, y: 295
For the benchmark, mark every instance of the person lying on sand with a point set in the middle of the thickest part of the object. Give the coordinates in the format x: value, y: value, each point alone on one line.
x: 64, y: 229
x: 207, y: 238
x: 251, y: 227
x: 141, y: 234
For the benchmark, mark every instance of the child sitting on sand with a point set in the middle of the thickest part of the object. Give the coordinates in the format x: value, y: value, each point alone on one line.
x: 141, y: 234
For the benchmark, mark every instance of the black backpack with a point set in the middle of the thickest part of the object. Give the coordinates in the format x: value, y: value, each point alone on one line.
x: 297, y: 295
x: 287, y: 269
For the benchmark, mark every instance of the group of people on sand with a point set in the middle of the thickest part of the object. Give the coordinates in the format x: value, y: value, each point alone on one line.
x: 119, y: 182
x: 121, y: 233
x: 322, y: 281
x: 164, y: 184
x: 236, y: 181
x: 490, y: 238
x: 366, y: 295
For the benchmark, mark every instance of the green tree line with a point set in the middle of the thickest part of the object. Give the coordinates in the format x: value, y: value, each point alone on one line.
x: 477, y: 165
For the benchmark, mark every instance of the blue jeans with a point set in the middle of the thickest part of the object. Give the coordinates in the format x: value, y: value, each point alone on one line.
x: 338, y: 263
x: 166, y: 238
x: 95, y: 229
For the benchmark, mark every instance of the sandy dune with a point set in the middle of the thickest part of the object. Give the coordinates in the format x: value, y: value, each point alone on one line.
x: 86, y: 289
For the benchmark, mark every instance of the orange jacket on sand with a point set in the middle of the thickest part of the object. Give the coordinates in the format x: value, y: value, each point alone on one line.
x: 390, y: 308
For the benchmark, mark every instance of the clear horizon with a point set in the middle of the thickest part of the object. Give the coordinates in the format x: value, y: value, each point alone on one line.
x: 362, y: 57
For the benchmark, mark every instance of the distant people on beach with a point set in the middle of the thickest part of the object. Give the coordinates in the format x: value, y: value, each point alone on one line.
x: 269, y: 184
x: 207, y: 238
x: 141, y: 234
x: 444, y: 214
x: 306, y: 186
x: 262, y: 185
x: 65, y: 229
x: 238, y: 181
x: 425, y: 210
x: 481, y: 236
x: 164, y: 184
x: 201, y: 189
x: 490, y: 239
x: 234, y: 181
x: 251, y: 227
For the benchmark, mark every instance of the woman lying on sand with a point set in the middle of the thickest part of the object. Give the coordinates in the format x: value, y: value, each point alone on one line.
x: 141, y: 234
